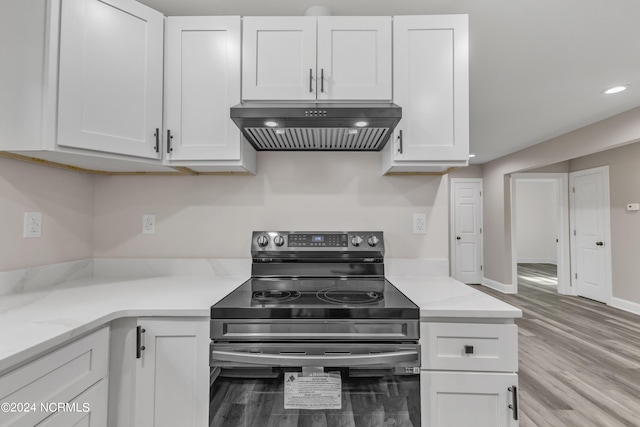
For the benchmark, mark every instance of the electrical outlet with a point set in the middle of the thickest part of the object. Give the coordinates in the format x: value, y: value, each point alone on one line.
x: 419, y: 223
x: 32, y: 224
x: 148, y: 224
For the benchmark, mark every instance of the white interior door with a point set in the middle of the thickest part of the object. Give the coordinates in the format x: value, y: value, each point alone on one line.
x: 591, y: 233
x: 466, y: 230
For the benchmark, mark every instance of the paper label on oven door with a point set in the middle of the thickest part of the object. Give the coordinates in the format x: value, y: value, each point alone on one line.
x: 318, y: 391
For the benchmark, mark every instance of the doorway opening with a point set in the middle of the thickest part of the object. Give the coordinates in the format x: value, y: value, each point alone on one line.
x: 540, y: 231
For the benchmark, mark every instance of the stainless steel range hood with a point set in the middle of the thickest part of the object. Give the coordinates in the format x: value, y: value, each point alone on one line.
x: 316, y: 126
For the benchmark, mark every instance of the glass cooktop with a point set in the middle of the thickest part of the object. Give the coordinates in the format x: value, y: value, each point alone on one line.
x: 334, y: 298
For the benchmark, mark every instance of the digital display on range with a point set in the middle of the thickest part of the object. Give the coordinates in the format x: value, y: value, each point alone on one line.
x: 314, y: 240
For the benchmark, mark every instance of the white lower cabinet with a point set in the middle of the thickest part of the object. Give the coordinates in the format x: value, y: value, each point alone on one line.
x: 459, y: 399
x: 172, y: 373
x: 87, y: 410
x: 67, y: 386
x: 469, y: 374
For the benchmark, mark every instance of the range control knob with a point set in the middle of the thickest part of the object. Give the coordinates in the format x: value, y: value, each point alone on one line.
x: 356, y: 240
x: 263, y: 241
x: 373, y: 241
x: 278, y: 240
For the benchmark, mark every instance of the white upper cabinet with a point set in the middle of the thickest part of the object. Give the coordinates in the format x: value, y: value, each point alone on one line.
x: 354, y: 57
x: 323, y: 58
x: 110, y: 81
x: 279, y: 58
x: 431, y: 84
x: 202, y: 81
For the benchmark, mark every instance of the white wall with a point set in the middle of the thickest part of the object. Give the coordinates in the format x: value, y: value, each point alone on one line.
x: 536, y: 221
x: 213, y: 216
x: 66, y: 201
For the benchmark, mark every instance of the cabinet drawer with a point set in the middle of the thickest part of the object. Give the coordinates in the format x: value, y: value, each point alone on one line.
x: 469, y: 347
x: 56, y: 377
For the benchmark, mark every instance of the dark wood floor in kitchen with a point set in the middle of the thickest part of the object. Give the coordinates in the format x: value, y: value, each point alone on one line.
x: 379, y: 401
x: 579, y: 359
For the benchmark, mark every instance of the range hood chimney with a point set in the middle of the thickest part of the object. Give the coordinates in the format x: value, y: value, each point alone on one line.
x: 317, y: 126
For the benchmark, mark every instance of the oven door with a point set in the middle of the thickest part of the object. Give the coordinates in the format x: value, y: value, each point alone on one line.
x: 276, y: 384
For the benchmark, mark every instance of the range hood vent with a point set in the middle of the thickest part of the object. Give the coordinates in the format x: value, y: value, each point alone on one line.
x: 317, y: 127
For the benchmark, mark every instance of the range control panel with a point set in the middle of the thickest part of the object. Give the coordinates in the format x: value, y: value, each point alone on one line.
x: 302, y: 241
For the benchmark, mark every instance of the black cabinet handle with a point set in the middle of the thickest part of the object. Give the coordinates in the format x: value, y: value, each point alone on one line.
x: 322, y: 80
x: 599, y: 243
x: 458, y: 238
x: 157, y: 135
x: 310, y: 80
x: 468, y: 349
x: 169, y: 138
x: 139, y: 346
x: 400, y: 141
x: 514, y: 398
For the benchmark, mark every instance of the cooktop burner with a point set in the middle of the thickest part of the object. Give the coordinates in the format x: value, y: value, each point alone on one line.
x: 285, y: 298
x: 275, y: 296
x: 340, y: 296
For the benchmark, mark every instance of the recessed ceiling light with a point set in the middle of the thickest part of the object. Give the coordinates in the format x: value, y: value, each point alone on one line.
x: 615, y: 89
x: 361, y: 124
x: 471, y: 156
x: 271, y: 124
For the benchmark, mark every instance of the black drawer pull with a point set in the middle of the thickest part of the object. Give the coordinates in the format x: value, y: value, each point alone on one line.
x: 514, y: 396
x: 468, y: 349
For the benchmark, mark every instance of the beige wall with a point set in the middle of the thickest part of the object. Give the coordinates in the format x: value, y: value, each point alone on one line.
x: 624, y: 185
x: 66, y: 202
x: 614, y: 132
x: 213, y: 216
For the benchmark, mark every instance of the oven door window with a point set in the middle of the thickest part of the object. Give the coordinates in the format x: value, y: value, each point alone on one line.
x: 369, y: 397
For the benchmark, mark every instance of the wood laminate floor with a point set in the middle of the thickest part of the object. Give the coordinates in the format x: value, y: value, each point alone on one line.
x: 579, y: 359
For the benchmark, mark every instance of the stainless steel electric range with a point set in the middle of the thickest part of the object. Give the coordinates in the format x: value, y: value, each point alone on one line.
x: 317, y: 334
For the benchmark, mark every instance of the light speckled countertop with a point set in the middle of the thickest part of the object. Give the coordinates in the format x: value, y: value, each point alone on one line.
x: 35, y: 321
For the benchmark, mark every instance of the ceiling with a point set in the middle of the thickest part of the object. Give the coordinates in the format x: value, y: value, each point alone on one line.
x: 537, y: 67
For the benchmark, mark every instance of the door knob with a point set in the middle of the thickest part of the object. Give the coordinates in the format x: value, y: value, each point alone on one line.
x: 600, y: 243
x: 458, y: 238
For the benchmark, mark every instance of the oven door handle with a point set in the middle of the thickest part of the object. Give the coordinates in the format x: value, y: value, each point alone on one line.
x: 387, y: 359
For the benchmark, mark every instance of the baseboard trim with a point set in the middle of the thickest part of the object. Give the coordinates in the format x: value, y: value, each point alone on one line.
x: 537, y: 261
x: 630, y: 306
x: 501, y: 287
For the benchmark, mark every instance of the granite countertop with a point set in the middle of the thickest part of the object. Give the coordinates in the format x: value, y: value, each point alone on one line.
x: 35, y: 321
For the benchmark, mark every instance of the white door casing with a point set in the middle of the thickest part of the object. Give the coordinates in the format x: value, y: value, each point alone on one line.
x: 565, y: 285
x: 466, y: 229
x: 591, y: 233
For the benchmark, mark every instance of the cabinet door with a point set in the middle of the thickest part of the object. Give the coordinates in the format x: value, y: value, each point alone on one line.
x: 89, y: 409
x: 110, y: 83
x: 431, y: 84
x: 354, y: 58
x: 202, y: 82
x: 172, y: 375
x: 452, y: 399
x: 279, y: 58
